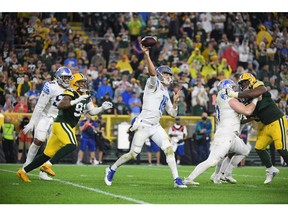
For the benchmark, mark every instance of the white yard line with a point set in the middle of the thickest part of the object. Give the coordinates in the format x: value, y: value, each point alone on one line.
x: 90, y: 189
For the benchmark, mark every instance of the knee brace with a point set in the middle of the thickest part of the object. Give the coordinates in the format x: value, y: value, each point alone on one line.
x: 131, y: 155
x: 169, y: 152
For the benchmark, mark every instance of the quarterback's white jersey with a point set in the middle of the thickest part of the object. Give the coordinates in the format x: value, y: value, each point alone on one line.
x: 228, y: 119
x: 155, y: 100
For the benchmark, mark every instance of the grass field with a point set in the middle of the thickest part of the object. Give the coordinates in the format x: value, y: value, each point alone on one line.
x: 139, y: 184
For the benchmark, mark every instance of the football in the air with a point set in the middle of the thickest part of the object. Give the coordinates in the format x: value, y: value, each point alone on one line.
x: 149, y: 41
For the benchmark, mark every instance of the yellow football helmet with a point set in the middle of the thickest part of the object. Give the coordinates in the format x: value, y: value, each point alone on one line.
x: 79, y: 82
x: 247, y: 76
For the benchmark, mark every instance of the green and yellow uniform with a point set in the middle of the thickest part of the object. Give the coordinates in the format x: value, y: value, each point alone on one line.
x: 63, y: 131
x: 274, y: 123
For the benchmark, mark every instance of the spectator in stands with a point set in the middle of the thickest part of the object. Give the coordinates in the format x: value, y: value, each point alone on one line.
x: 124, y: 66
x: 120, y: 108
x: 21, y: 106
x: 2, y: 89
x: 104, y: 88
x: 135, y: 104
x: 199, y: 98
x: 151, y: 147
x: 24, y: 86
x: 107, y: 46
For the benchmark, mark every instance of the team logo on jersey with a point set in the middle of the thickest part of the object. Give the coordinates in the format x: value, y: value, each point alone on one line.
x: 223, y: 95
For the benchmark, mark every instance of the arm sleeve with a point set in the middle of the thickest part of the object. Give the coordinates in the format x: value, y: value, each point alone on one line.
x: 93, y: 110
x: 152, y: 82
x: 40, y: 106
x: 170, y: 110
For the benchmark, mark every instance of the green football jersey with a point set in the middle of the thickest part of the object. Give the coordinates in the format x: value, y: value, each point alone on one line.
x: 267, y: 110
x: 72, y: 115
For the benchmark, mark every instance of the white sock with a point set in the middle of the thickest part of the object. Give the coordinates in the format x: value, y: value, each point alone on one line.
x: 173, y: 166
x: 224, y: 165
x: 235, y: 160
x: 199, y: 169
x: 218, y: 166
x: 123, y: 159
x: 31, y: 154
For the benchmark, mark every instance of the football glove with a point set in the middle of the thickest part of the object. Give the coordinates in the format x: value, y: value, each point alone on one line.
x: 107, y: 105
x: 28, y: 127
x: 231, y: 93
x: 82, y: 97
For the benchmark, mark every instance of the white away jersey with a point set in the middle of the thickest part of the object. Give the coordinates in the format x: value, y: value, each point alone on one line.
x: 50, y: 96
x: 228, y: 119
x: 155, y: 100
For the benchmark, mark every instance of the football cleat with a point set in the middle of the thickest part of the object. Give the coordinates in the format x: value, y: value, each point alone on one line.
x: 230, y: 179
x: 23, y: 175
x: 47, y: 169
x: 188, y: 181
x: 44, y: 176
x: 109, y: 173
x: 270, y: 174
x: 179, y: 184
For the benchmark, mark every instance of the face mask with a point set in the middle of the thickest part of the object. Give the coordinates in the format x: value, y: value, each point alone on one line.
x: 204, y: 118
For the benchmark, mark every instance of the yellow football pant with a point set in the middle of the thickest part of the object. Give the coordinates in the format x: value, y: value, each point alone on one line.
x: 275, y: 131
x: 62, y: 134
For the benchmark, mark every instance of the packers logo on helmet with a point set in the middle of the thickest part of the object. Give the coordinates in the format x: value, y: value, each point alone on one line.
x: 247, y: 76
x: 79, y: 82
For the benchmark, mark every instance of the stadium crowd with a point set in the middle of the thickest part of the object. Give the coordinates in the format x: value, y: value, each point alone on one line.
x: 201, y: 49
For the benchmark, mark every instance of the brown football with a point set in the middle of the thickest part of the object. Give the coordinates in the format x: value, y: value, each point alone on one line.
x: 149, y: 41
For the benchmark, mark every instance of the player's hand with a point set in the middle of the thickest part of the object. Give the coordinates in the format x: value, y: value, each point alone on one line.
x: 80, y: 98
x: 83, y: 97
x: 28, y: 127
x: 231, y: 93
x: 176, y: 96
x: 107, y: 105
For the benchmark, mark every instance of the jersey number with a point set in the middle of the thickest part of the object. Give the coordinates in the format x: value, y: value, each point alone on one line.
x: 57, y: 100
x: 79, y: 109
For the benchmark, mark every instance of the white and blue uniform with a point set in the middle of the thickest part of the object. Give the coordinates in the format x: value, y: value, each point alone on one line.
x: 46, y: 109
x: 155, y: 100
x: 226, y: 138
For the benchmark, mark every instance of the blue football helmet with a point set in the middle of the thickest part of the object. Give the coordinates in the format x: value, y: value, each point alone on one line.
x: 64, y: 76
x: 164, y: 69
x: 226, y: 84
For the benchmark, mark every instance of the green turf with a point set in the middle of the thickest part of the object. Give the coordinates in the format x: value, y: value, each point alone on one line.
x: 136, y: 184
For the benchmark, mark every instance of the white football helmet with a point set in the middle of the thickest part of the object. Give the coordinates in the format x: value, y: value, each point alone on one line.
x: 164, y: 69
x: 64, y: 76
x: 226, y: 84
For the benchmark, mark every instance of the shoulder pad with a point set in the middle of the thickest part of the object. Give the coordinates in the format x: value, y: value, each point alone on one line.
x: 68, y: 92
x: 46, y: 88
x: 257, y: 84
x: 52, y: 82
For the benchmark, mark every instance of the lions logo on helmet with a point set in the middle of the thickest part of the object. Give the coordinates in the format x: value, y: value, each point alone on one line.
x: 247, y: 76
x: 63, y: 76
x: 79, y: 83
x: 223, y: 85
x: 164, y: 69
x: 226, y: 84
